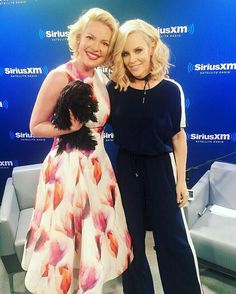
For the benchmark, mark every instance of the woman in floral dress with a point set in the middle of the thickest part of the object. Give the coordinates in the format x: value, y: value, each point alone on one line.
x: 78, y: 237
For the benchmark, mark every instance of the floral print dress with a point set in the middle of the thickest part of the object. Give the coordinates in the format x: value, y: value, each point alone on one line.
x: 78, y: 237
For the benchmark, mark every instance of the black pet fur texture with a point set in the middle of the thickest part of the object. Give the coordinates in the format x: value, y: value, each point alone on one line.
x: 77, y: 97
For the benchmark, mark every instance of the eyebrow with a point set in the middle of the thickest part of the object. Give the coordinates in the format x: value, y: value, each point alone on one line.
x: 95, y: 37
x: 136, y: 48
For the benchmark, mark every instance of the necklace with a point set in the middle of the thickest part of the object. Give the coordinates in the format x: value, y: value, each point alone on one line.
x: 144, y: 89
x: 146, y: 83
x: 146, y: 78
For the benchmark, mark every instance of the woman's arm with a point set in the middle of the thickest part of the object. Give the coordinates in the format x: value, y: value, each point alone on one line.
x: 180, y: 151
x: 40, y: 122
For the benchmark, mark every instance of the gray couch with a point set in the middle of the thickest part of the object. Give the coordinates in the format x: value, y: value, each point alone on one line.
x: 15, y: 214
x: 214, y: 231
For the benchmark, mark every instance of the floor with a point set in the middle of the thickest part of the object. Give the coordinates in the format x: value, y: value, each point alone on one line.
x: 213, y: 282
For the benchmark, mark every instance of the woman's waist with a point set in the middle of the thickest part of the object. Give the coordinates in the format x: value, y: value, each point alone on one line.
x: 147, y: 154
x: 97, y: 132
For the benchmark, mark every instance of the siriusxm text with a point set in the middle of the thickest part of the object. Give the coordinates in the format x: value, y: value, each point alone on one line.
x: 23, y: 135
x: 28, y: 70
x: 6, y: 163
x: 221, y: 66
x: 173, y: 30
x: 210, y: 136
x: 56, y: 34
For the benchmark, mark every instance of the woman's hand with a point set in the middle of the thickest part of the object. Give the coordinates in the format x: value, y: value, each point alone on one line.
x: 182, y: 194
x: 180, y: 152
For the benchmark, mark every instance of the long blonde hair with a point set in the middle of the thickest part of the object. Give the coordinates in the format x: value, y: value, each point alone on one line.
x: 159, y: 59
x: 77, y: 29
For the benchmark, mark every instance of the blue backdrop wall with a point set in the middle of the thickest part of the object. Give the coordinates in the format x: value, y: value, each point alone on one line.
x: 200, y: 35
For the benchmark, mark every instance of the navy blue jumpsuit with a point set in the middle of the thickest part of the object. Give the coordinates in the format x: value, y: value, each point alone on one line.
x: 143, y: 129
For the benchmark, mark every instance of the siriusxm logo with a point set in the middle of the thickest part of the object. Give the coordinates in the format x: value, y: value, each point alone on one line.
x: 19, y: 135
x: 8, y: 163
x: 4, y: 104
x: 212, y: 138
x: 16, y: 72
x: 108, y: 136
x: 176, y: 31
x: 23, y: 136
x: 211, y: 68
x: 53, y: 35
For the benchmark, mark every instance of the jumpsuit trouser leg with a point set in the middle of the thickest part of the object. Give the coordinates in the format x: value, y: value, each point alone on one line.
x: 137, y: 279
x: 155, y: 190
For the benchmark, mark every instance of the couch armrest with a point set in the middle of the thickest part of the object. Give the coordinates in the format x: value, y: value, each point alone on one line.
x: 9, y: 216
x: 25, y: 179
x: 195, y: 208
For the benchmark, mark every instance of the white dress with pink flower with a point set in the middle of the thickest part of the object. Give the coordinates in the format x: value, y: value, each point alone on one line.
x: 78, y: 237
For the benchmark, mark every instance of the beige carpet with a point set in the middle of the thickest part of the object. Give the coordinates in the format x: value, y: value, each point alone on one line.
x: 213, y: 282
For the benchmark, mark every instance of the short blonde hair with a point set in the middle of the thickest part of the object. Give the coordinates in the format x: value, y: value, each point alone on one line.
x: 159, y: 58
x: 77, y: 29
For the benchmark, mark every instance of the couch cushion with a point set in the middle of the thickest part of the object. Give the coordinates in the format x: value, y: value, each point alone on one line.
x: 23, y: 226
x: 25, y: 180
x: 223, y: 184
x: 214, y: 238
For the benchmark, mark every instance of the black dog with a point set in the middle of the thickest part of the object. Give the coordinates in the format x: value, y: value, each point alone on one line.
x: 76, y: 97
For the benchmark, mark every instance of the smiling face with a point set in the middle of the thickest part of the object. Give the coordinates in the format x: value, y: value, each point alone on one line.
x: 94, y: 44
x: 137, y: 55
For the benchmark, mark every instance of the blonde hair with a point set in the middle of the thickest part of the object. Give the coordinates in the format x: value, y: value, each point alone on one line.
x: 159, y: 59
x: 77, y: 29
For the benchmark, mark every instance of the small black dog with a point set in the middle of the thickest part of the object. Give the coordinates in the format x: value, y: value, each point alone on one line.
x: 76, y: 97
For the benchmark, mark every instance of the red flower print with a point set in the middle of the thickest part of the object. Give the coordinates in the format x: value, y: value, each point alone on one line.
x: 86, y: 209
x: 112, y: 195
x: 129, y: 258
x: 37, y: 216
x: 78, y: 223
x: 80, y: 201
x: 128, y: 240
x: 97, y: 171
x: 58, y: 194
x: 113, y: 243
x: 66, y: 278
x: 49, y: 174
x: 44, y: 270
x: 100, y: 221
x: 41, y: 240
x: 30, y: 237
x: 77, y: 243
x: 56, y: 253
x: 88, y: 278
x: 98, y: 242
x: 69, y: 225
x: 47, y: 200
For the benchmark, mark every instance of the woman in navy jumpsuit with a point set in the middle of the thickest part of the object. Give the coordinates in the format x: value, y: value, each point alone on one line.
x: 147, y: 116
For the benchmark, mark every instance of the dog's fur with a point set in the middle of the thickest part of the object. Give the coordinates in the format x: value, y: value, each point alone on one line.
x: 76, y: 97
